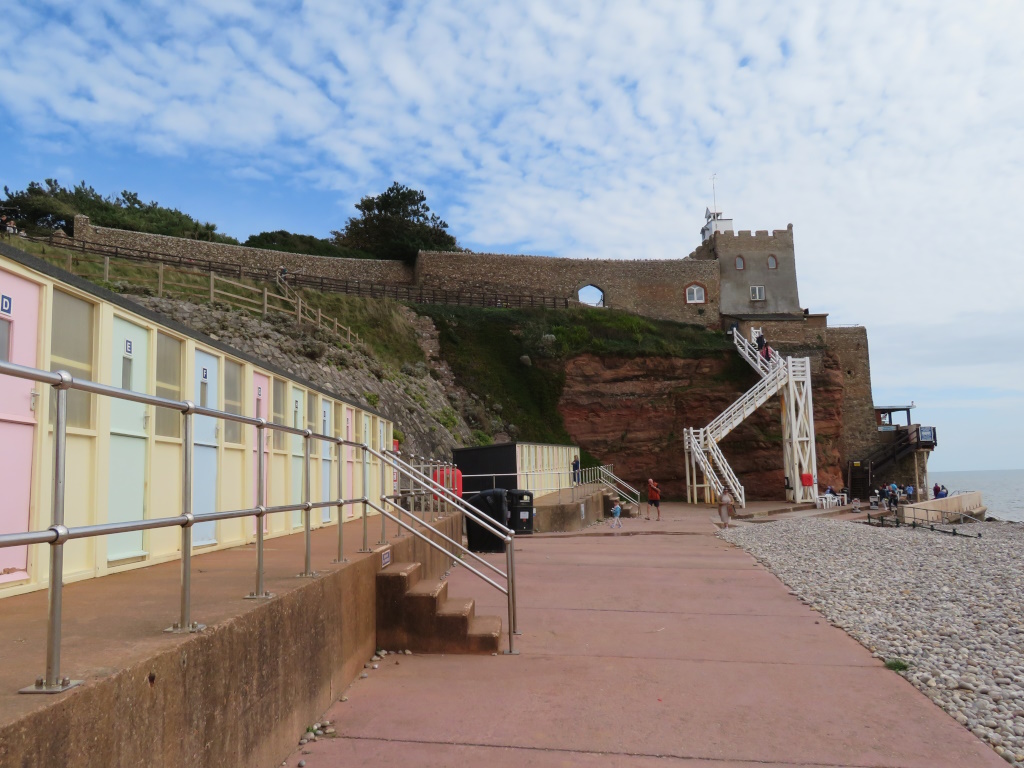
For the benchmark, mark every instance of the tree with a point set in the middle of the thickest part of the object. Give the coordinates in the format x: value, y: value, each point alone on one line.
x: 396, y: 224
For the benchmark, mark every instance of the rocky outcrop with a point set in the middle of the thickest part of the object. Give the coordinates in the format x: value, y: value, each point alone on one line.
x: 632, y: 412
x: 413, y: 399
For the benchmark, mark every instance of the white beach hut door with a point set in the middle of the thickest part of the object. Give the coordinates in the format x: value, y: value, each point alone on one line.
x: 19, y: 398
x: 206, y: 432
x: 295, y: 417
x: 261, y: 391
x: 129, y: 426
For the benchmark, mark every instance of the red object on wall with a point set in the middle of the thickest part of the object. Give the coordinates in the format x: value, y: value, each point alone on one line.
x: 454, y: 479
x: 806, y: 480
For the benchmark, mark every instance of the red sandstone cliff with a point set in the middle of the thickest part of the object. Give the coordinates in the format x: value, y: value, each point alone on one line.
x: 631, y: 412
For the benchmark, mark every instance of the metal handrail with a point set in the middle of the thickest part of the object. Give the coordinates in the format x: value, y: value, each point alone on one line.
x: 507, y: 591
x: 730, y: 477
x: 619, y: 485
x: 58, y: 534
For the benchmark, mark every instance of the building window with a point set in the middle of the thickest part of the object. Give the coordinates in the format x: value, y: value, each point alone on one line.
x: 168, y: 384
x: 740, y: 264
x: 232, y: 400
x: 757, y: 293
x: 773, y: 263
x: 71, y: 350
x: 278, y: 418
x: 695, y: 294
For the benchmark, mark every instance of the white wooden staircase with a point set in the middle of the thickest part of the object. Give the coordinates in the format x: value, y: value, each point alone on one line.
x: 706, y: 466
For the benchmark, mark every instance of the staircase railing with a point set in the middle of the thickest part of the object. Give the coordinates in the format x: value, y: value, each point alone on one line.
x: 727, y: 474
x: 749, y: 351
x: 749, y: 402
x: 620, y: 486
x: 694, y: 443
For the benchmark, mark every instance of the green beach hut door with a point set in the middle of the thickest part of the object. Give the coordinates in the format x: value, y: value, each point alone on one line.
x: 206, y: 430
x: 129, y: 426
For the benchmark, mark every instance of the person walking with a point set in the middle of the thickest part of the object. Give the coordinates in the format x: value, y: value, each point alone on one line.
x: 653, y: 498
x: 616, y: 516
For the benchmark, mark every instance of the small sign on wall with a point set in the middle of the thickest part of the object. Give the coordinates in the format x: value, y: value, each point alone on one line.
x: 6, y: 304
x: 259, y: 391
x: 128, y: 347
x: 206, y: 374
x: 385, y: 558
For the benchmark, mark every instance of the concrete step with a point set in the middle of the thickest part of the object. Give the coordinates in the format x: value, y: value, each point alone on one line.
x: 392, y: 584
x: 484, y: 635
x: 455, y: 617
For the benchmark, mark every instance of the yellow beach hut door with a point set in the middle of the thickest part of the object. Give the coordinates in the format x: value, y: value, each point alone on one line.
x: 298, y: 452
x: 19, y: 328
x: 206, y: 431
x: 129, y: 423
x: 327, y: 451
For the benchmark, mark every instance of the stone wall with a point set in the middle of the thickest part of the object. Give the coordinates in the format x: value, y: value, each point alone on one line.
x: 654, y: 288
x: 860, y: 433
x: 367, y: 270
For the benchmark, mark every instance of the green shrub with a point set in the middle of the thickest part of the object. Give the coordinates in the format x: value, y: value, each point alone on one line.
x: 896, y: 665
x: 372, y: 398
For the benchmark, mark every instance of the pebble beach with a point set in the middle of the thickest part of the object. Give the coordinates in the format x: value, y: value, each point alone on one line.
x: 950, y: 608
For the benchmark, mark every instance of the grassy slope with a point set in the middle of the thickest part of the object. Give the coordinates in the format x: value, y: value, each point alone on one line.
x: 484, y: 347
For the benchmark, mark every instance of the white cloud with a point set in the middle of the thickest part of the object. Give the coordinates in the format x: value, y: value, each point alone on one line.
x: 888, y: 133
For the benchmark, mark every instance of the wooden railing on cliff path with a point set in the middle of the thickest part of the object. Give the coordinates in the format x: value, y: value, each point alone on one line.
x: 195, y: 282
x: 411, y: 294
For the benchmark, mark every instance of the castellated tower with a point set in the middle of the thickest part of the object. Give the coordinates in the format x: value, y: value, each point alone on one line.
x: 758, y: 271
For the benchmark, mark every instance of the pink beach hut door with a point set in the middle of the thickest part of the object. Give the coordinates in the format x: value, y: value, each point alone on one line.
x: 19, y: 329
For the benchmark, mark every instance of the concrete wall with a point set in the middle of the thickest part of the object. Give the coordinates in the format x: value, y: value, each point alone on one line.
x: 368, y: 270
x: 780, y: 284
x: 652, y: 288
x: 238, y: 694
x: 571, y: 516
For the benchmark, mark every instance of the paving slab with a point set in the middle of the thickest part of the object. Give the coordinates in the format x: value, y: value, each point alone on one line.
x: 666, y: 648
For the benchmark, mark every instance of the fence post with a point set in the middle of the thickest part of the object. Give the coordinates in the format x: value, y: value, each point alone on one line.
x: 319, y: 317
x: 307, y: 571
x: 264, y: 302
x: 185, y: 623
x: 298, y: 307
x: 106, y: 269
x: 160, y: 280
x: 53, y: 682
x: 68, y: 265
x: 212, y: 278
x: 261, y: 503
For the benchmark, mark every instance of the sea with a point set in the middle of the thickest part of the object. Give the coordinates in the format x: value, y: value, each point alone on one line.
x: 1002, y: 489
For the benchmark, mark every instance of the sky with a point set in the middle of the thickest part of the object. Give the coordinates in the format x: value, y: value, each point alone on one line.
x: 890, y: 134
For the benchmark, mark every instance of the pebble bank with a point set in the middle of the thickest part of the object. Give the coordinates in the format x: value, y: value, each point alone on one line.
x: 952, y: 608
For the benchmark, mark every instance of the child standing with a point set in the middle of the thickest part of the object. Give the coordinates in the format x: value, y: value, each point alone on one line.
x: 616, y: 516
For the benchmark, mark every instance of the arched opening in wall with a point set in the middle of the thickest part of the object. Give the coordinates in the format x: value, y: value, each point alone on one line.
x: 773, y: 263
x: 591, y: 295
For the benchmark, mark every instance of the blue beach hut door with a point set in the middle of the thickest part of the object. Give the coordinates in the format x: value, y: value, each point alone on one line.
x: 129, y: 440
x: 206, y: 432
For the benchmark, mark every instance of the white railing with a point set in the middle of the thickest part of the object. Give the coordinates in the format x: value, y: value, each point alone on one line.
x: 727, y: 474
x: 751, y: 400
x: 749, y: 352
x: 701, y: 458
x: 619, y: 485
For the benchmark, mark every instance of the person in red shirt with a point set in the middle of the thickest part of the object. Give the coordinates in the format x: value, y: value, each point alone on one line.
x: 653, y: 498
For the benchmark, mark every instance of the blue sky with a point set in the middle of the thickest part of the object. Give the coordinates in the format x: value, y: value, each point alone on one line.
x: 888, y: 133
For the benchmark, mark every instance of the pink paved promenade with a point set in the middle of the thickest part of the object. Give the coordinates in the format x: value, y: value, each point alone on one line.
x: 661, y: 649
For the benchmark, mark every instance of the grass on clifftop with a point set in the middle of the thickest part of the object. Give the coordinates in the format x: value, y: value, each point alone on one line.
x: 484, y: 348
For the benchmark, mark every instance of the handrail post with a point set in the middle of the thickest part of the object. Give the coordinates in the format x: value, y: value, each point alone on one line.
x: 261, y: 503
x: 383, y: 502
x: 510, y: 582
x: 53, y: 682
x: 341, y: 507
x: 396, y: 489
x: 307, y: 570
x: 366, y: 496
x: 511, y: 600
x: 185, y: 623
